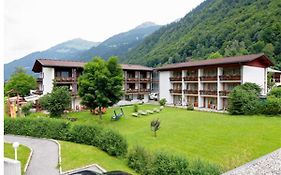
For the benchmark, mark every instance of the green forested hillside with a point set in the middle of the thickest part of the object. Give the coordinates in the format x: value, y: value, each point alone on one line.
x: 215, y: 27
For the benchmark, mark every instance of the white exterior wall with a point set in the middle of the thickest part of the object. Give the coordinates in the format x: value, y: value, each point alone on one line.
x: 12, y: 167
x: 49, y: 75
x: 256, y: 75
x: 165, y: 86
x: 146, y: 99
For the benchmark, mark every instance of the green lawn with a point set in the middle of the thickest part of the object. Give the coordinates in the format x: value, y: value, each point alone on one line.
x: 23, y: 153
x: 77, y: 155
x: 226, y: 140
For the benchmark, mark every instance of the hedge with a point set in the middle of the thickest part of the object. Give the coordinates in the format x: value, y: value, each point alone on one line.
x: 109, y: 141
x: 144, y: 162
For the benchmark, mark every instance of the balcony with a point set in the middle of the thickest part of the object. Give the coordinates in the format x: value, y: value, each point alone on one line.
x: 144, y: 90
x: 132, y: 90
x: 224, y: 93
x: 277, y: 80
x: 176, y: 78
x: 176, y: 91
x: 208, y: 78
x: 64, y: 79
x: 132, y: 79
x: 190, y: 78
x: 230, y: 77
x: 189, y: 91
x: 208, y: 92
x: 38, y: 92
x: 145, y: 79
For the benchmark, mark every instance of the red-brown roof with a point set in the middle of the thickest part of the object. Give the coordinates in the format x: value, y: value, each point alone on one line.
x: 220, y: 61
x: 39, y: 63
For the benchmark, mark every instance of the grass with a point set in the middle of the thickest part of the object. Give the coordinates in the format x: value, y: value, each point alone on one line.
x: 78, y: 155
x: 23, y: 154
x: 228, y: 141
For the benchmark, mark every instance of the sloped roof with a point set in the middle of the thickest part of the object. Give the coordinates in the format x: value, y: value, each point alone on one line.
x: 220, y: 61
x: 39, y: 63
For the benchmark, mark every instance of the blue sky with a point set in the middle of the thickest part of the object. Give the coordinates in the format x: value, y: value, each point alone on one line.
x: 36, y: 25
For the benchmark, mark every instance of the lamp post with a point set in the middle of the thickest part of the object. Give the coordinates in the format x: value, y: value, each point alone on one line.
x: 16, y: 145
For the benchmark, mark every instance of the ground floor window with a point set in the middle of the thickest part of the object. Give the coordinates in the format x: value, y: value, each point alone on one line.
x: 129, y: 97
x: 140, y: 97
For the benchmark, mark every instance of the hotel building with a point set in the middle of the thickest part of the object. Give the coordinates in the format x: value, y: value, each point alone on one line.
x: 137, y: 79
x: 207, y: 83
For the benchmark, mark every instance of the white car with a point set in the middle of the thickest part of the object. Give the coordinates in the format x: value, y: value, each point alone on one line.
x: 153, y: 96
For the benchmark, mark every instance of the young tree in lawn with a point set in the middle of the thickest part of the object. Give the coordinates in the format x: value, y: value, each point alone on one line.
x: 20, y: 82
x: 57, y: 101
x: 100, y: 85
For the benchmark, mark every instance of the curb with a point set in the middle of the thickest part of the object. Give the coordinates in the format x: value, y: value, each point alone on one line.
x: 29, y: 157
x: 60, y: 169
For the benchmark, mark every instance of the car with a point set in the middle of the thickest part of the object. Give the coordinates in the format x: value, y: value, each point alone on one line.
x: 89, y: 172
x: 153, y: 96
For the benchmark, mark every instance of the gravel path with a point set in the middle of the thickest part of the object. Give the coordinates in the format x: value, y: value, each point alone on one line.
x: 44, y: 160
x: 269, y: 164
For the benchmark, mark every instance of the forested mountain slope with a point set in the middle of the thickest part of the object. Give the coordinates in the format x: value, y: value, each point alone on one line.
x: 215, y: 27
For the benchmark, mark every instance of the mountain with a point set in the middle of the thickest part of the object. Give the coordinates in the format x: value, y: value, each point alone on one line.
x: 119, y: 44
x: 64, y: 50
x: 215, y: 27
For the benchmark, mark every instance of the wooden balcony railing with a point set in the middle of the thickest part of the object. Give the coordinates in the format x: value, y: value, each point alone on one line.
x: 230, y: 77
x: 144, y: 90
x: 132, y: 90
x: 64, y: 79
x: 208, y: 92
x: 132, y: 79
x: 208, y: 78
x: 188, y: 91
x: 175, y: 78
x: 145, y: 79
x: 178, y: 91
x: 224, y: 92
x: 190, y: 78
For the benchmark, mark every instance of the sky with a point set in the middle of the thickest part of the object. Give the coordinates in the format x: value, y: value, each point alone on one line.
x: 36, y: 25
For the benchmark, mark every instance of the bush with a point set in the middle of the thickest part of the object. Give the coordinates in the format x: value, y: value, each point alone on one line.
x: 136, y: 108
x: 42, y: 128
x: 26, y: 109
x: 276, y: 92
x: 163, y: 102
x: 166, y: 164
x: 199, y: 167
x: 57, y: 101
x: 272, y: 106
x: 243, y: 100
x: 161, y: 163
x: 140, y: 160
x: 109, y: 141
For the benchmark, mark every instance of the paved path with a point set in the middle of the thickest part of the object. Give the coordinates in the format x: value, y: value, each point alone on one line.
x: 44, y: 160
x: 269, y: 164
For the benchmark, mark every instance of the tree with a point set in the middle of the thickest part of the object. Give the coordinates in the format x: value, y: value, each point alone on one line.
x: 244, y: 99
x: 57, y: 101
x: 215, y: 55
x: 100, y: 85
x: 236, y: 48
x: 20, y: 82
x: 155, y: 126
x: 275, y: 92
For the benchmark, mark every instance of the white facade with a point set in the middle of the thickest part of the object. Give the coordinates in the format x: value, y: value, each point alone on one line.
x: 48, y: 77
x: 256, y: 75
x: 165, y: 86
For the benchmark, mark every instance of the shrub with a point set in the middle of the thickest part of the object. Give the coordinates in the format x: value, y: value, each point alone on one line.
x: 251, y: 87
x: 57, y: 101
x: 163, y: 102
x: 243, y: 100
x: 42, y: 128
x: 109, y: 141
x: 199, y: 167
x: 136, y: 108
x: 272, y: 106
x: 167, y: 164
x: 26, y: 109
x: 276, y: 92
x: 140, y: 160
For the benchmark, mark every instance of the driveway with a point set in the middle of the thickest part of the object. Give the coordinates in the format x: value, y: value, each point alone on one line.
x: 44, y: 160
